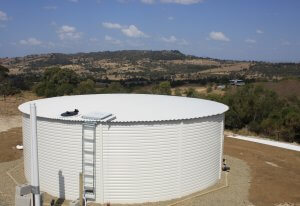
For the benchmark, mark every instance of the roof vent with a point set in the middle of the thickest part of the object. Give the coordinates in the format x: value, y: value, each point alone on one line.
x: 70, y: 113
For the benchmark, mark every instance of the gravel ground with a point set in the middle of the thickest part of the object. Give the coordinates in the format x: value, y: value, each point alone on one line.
x: 236, y: 194
x: 7, y: 185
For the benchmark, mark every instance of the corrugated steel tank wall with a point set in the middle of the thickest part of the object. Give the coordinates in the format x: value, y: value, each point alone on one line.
x: 141, y: 161
x: 59, y: 155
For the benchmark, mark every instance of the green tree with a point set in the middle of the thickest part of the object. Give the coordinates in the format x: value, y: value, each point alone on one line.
x: 177, y: 92
x: 86, y: 87
x: 191, y: 92
x: 6, y: 85
x: 3, y: 73
x: 209, y: 89
x: 57, y: 81
x: 162, y: 88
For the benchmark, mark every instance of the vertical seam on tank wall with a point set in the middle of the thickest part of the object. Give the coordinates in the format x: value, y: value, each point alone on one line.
x: 101, y: 165
x: 222, y: 145
x: 180, y: 157
x: 95, y: 159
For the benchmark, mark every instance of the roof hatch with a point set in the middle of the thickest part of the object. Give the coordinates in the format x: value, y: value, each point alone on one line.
x: 97, y: 115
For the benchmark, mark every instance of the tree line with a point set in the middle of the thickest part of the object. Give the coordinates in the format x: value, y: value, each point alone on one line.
x: 261, y: 111
x: 252, y: 107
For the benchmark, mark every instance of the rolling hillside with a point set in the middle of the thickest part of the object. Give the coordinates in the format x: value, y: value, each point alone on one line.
x: 128, y: 64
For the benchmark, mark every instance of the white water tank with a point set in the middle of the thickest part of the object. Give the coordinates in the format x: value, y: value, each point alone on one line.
x: 147, y: 147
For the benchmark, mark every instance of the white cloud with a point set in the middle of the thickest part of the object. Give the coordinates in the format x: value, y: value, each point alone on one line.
x: 93, y: 39
x: 171, y: 18
x: 110, y: 25
x: 68, y: 33
x: 133, y: 31
x: 30, y: 42
x: 3, y: 16
x: 250, y: 41
x: 218, y: 36
x: 130, y: 31
x: 112, y: 40
x: 50, y: 7
x: 258, y: 31
x: 148, y: 1
x: 171, y: 39
x: 184, y: 2
x: 183, y: 42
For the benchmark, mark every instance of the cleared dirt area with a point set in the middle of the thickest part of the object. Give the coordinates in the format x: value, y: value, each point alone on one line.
x: 9, y: 139
x: 275, y: 172
x: 8, y: 122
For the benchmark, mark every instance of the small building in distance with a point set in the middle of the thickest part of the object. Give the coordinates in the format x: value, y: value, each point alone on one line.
x: 237, y: 82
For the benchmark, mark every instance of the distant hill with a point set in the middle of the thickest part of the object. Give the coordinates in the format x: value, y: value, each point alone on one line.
x: 165, y: 64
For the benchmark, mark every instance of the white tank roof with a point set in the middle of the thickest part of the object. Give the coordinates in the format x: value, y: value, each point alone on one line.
x: 126, y: 107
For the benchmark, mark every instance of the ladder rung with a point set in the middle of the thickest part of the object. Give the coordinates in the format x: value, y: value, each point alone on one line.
x: 88, y: 176
x: 89, y: 172
x: 87, y: 188
x: 88, y: 140
x: 89, y: 164
x: 88, y: 152
x: 89, y: 195
x: 93, y: 125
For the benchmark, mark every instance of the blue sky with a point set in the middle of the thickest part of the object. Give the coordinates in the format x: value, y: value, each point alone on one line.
x: 266, y: 30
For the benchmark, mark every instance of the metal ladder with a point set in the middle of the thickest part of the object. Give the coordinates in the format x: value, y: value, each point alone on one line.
x: 89, y: 159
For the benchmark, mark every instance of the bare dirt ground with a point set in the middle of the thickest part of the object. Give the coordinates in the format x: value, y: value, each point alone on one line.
x: 8, y: 122
x: 9, y: 139
x: 275, y: 172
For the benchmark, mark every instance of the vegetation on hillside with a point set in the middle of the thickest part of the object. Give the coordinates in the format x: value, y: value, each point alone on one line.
x: 11, y: 84
x: 59, y: 82
x: 261, y: 111
x: 252, y: 107
x: 275, y: 70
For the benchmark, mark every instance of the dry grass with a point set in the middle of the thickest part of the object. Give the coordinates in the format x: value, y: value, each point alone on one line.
x: 226, y: 69
x: 284, y: 88
x: 9, y: 107
x: 199, y: 89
